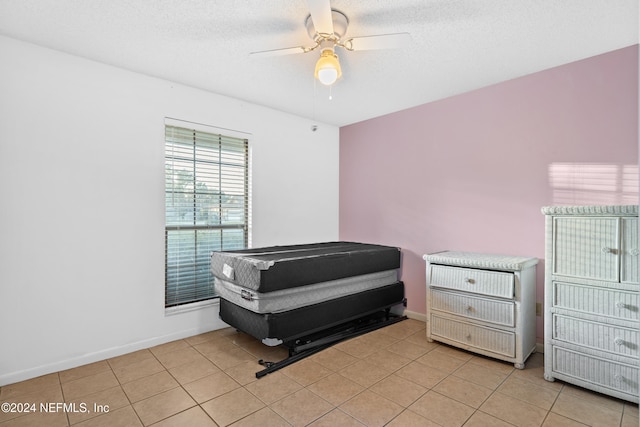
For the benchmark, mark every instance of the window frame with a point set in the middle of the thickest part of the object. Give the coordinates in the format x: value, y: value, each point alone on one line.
x: 175, y: 298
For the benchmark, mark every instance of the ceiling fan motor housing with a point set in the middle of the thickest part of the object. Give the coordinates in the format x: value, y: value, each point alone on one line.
x: 340, y: 24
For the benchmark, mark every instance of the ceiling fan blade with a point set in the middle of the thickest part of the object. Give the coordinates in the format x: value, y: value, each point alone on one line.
x: 381, y: 41
x: 278, y: 52
x: 320, y: 11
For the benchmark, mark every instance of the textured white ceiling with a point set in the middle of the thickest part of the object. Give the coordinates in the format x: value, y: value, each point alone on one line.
x: 457, y: 45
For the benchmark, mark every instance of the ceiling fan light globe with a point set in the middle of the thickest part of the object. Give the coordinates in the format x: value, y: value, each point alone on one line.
x: 328, y: 76
x: 328, y: 68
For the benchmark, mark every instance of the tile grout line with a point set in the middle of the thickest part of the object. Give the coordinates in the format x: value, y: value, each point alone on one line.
x: 180, y: 385
x: 63, y: 398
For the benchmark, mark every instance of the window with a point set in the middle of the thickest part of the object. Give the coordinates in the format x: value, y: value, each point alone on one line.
x: 206, y: 208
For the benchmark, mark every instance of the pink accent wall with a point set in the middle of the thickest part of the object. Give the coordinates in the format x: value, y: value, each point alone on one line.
x: 471, y: 172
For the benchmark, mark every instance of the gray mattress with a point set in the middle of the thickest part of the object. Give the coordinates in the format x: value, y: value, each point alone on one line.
x: 296, y: 297
x: 276, y: 268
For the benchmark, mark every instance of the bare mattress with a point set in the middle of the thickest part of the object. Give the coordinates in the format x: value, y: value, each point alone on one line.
x: 275, y: 268
x: 296, y: 297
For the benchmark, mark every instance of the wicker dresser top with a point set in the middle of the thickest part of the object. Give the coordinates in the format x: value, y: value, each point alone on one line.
x: 631, y: 210
x: 478, y: 260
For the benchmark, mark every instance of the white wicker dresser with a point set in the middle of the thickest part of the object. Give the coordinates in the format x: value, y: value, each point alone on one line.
x: 483, y: 303
x: 591, y: 298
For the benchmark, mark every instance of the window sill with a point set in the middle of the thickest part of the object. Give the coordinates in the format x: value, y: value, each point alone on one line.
x: 200, y: 305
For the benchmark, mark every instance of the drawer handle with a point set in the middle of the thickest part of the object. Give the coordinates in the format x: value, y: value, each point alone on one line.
x: 618, y: 377
x: 618, y: 341
x: 606, y: 250
x: 468, y: 337
x: 634, y: 252
x: 620, y: 304
x: 469, y: 280
x: 469, y: 308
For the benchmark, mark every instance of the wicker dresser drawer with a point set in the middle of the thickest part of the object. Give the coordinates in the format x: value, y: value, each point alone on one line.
x: 613, y: 339
x: 495, y: 311
x: 493, y: 283
x: 599, y: 301
x: 488, y: 339
x: 598, y: 373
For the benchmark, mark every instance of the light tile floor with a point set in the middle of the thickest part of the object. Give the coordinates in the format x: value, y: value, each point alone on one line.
x: 389, y: 377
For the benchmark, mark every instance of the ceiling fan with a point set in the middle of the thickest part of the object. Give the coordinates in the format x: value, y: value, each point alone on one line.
x: 327, y: 27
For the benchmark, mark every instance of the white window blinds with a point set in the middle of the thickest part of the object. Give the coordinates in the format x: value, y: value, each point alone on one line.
x: 206, y: 192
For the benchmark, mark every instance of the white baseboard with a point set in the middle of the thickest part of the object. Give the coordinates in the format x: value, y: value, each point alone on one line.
x: 416, y: 316
x: 74, y: 362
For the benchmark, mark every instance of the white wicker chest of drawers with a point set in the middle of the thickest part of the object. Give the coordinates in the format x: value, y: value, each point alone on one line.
x: 483, y: 303
x: 591, y: 298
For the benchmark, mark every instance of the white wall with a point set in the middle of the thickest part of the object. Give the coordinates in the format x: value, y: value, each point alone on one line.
x: 82, y: 203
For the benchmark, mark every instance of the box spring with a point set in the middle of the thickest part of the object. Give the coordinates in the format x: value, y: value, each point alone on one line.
x: 275, y: 268
x: 289, y: 299
x: 290, y: 325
